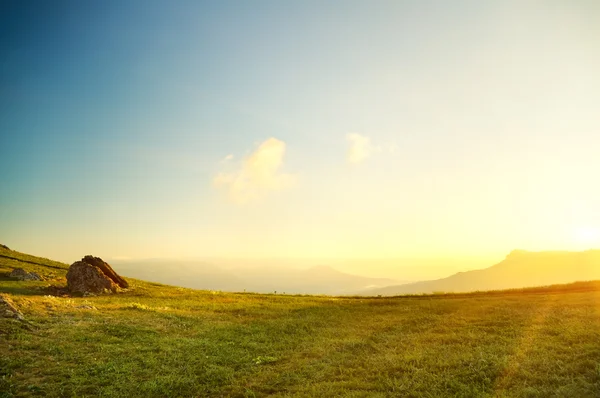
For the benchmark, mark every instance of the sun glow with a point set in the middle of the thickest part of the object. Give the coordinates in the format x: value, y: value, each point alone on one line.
x: 587, y: 236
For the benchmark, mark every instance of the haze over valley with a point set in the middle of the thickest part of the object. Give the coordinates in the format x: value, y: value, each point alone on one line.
x: 519, y: 269
x: 278, y: 277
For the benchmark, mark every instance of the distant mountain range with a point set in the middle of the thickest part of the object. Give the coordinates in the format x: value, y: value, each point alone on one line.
x: 260, y: 279
x: 519, y: 269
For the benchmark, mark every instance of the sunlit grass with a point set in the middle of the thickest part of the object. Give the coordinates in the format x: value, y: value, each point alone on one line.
x: 156, y: 340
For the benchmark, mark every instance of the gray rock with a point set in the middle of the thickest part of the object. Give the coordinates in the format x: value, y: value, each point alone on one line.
x: 8, y: 308
x: 23, y: 275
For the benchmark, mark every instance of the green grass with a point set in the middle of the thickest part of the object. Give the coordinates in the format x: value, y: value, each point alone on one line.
x: 157, y: 341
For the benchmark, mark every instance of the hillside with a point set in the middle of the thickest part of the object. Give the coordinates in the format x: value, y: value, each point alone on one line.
x: 260, y: 279
x: 519, y: 269
x: 154, y: 341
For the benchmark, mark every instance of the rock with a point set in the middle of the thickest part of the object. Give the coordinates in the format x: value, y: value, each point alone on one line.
x: 107, y: 270
x: 8, y: 308
x: 92, y: 275
x: 23, y: 275
x: 84, y: 278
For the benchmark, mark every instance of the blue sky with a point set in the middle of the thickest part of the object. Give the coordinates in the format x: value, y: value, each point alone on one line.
x: 475, y: 123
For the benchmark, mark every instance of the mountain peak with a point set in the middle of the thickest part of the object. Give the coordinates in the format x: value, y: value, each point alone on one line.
x: 519, y: 253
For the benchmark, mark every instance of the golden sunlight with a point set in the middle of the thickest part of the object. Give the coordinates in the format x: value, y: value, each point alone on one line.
x: 587, y: 235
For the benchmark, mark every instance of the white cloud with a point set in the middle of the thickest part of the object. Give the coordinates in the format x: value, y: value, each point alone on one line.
x: 360, y: 148
x: 257, y: 175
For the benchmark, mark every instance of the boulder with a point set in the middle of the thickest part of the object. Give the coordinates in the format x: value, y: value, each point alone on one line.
x: 8, y: 308
x: 106, y: 269
x: 93, y: 275
x: 23, y: 275
x: 83, y: 278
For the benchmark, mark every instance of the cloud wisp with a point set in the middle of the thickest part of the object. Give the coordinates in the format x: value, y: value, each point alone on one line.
x: 360, y: 148
x: 256, y: 175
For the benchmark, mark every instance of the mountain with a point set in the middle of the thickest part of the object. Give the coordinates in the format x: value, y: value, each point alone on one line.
x: 519, y: 269
x: 260, y: 279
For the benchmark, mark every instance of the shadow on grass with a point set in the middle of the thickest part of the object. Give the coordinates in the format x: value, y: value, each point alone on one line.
x: 23, y: 290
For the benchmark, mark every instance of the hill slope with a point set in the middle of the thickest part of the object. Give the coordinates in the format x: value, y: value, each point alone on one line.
x: 519, y: 269
x: 155, y: 341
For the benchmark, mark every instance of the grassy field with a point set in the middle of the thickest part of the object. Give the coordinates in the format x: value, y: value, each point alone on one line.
x: 158, y: 341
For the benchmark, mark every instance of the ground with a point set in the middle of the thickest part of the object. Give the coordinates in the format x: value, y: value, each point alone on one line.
x: 155, y: 341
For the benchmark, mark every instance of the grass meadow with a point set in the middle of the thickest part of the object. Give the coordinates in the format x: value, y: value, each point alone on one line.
x: 157, y: 341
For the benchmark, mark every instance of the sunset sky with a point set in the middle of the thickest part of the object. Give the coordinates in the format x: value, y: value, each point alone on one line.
x: 307, y: 129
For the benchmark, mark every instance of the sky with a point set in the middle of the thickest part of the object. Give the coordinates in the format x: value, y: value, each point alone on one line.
x: 307, y: 129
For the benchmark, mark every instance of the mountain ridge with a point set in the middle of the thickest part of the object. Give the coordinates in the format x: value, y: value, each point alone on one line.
x: 520, y: 268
